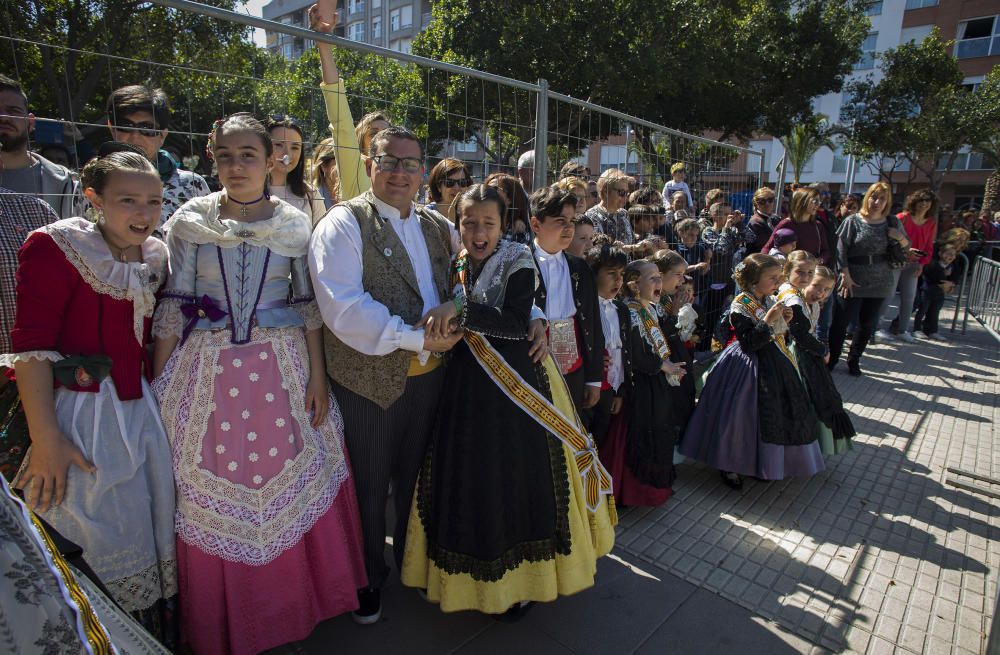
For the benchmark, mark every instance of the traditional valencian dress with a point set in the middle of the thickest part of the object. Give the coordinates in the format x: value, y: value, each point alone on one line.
x: 755, y: 416
x: 269, y: 540
x: 90, y: 314
x: 639, y: 451
x: 63, y: 611
x: 512, y: 504
x: 835, y: 427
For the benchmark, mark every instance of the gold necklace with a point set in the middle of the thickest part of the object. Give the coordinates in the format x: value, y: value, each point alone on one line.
x: 122, y: 255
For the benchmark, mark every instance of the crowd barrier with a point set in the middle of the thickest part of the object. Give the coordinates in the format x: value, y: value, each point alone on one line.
x: 983, y: 300
x: 485, y: 119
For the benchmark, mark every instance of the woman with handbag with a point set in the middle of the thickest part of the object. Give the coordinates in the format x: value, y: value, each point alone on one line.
x: 871, y: 244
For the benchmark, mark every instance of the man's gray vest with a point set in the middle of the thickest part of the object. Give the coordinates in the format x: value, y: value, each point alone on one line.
x: 388, y: 276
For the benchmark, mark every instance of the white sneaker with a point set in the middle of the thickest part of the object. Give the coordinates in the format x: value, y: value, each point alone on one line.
x: 936, y: 337
x: 920, y: 335
x: 907, y: 337
x: 885, y: 335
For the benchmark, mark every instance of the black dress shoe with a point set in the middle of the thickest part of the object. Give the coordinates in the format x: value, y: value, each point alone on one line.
x: 516, y: 611
x: 732, y: 480
x: 854, y: 369
x: 370, y: 606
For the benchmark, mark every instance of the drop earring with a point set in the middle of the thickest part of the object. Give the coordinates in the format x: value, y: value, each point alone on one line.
x: 100, y: 217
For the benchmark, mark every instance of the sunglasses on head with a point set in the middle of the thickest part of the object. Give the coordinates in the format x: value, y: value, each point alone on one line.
x: 283, y: 118
x: 145, y: 128
x: 451, y: 184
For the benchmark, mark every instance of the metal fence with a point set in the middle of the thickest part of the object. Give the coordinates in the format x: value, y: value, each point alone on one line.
x: 484, y: 119
x: 983, y: 302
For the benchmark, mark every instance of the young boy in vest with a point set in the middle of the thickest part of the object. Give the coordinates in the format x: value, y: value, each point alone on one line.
x: 568, y: 296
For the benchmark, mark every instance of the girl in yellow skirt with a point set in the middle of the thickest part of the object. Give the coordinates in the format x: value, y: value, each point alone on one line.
x: 512, y: 505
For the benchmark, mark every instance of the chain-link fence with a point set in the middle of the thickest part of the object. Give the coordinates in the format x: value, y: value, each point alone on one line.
x: 486, y: 120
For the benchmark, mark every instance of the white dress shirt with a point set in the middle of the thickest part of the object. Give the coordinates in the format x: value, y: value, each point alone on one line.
x: 612, y: 342
x: 554, y: 269
x: 335, y: 264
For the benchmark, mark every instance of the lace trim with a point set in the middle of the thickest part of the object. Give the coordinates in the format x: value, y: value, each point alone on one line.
x: 10, y: 359
x: 143, y: 301
x: 494, y: 570
x: 168, y: 321
x: 309, y: 313
x: 228, y: 520
x: 143, y: 589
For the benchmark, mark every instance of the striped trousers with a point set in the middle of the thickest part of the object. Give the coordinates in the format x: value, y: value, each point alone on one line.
x: 388, y: 445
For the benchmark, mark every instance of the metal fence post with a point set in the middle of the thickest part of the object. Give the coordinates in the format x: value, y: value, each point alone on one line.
x: 958, y: 298
x: 761, y: 179
x: 779, y: 187
x: 541, y: 135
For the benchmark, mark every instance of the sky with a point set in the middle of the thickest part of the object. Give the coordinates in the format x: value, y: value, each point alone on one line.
x: 253, y: 7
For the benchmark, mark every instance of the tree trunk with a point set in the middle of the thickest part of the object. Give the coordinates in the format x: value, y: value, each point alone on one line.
x: 991, y: 193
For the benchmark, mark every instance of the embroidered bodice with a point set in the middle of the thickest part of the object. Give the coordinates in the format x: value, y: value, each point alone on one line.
x: 236, y: 275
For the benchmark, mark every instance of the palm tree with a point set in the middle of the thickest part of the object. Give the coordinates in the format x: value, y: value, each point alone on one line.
x: 805, y: 139
x: 991, y: 156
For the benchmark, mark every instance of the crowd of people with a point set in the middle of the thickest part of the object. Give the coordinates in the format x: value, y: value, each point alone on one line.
x: 219, y: 393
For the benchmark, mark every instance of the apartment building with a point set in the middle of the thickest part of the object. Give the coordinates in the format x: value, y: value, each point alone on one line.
x: 975, y: 27
x: 391, y: 24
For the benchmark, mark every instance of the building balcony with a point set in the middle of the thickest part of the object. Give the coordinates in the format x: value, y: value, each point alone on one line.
x: 986, y: 46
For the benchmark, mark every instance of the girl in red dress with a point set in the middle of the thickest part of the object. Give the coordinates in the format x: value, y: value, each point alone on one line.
x: 98, y: 469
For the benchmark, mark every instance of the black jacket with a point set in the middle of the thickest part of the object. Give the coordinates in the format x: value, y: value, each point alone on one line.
x: 625, y: 329
x: 587, y: 315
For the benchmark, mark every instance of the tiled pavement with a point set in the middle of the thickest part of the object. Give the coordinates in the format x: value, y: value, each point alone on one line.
x: 875, y: 555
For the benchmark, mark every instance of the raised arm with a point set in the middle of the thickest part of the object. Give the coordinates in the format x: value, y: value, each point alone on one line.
x: 350, y: 164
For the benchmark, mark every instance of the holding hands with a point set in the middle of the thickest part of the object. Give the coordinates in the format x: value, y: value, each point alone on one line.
x: 440, y: 323
x: 776, y: 313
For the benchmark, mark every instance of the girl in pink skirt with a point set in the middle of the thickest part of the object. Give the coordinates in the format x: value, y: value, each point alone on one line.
x: 268, y: 536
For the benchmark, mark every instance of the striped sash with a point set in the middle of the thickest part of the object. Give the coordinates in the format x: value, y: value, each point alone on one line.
x: 596, y: 480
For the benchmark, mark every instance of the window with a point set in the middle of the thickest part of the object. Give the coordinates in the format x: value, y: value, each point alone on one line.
x: 915, y: 34
x: 377, y: 27
x: 839, y: 160
x: 394, y: 20
x: 970, y: 84
x: 920, y: 4
x: 964, y: 161
x: 867, y: 60
x: 978, y: 38
x: 467, y: 146
x: 874, y: 8
x: 406, y: 16
x: 405, y: 45
x: 356, y: 6
x: 376, y: 4
x: 356, y: 31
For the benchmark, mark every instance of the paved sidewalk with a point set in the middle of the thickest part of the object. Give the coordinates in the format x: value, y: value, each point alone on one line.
x: 875, y: 555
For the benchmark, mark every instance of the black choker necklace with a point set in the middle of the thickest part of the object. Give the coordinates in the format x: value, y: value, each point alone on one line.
x: 244, y: 211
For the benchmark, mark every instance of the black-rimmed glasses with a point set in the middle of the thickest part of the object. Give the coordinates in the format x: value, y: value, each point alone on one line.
x: 388, y: 163
x: 145, y: 128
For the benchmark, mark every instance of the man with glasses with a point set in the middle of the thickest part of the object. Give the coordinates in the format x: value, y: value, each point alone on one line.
x: 140, y: 116
x: 379, y: 263
x: 25, y: 172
